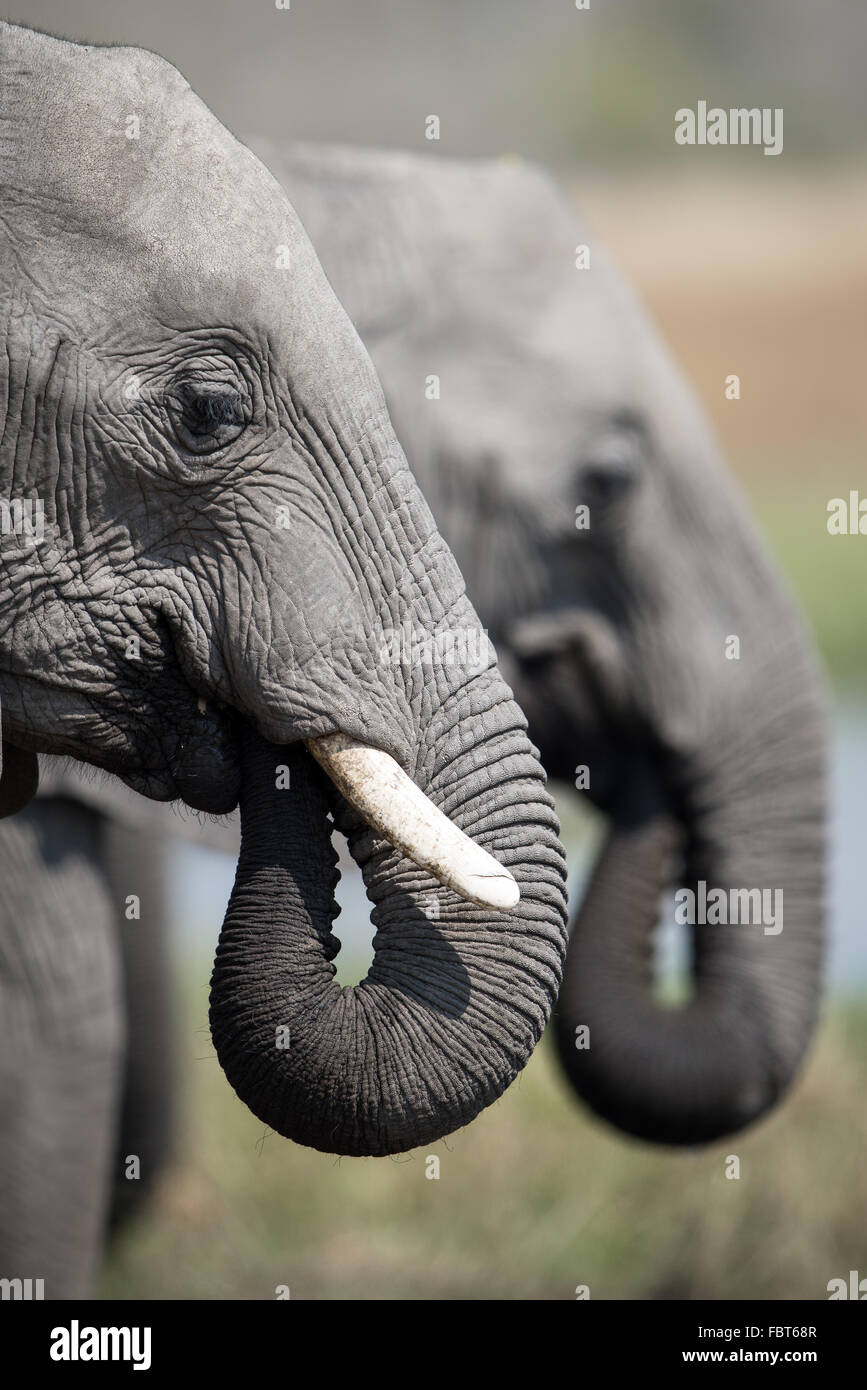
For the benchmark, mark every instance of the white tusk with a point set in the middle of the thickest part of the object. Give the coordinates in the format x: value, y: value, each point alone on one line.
x: 393, y: 805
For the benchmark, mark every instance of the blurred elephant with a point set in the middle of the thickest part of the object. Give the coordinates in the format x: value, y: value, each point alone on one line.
x: 613, y: 561
x: 178, y: 380
x: 88, y: 1020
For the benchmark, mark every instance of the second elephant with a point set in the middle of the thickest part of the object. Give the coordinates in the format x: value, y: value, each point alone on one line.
x: 634, y: 607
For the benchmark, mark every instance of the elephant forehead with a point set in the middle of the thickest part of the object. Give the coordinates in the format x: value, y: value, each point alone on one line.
x: 580, y: 351
x: 469, y: 267
x: 151, y: 203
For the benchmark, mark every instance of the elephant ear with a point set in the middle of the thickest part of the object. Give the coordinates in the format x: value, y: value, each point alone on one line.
x: 19, y: 777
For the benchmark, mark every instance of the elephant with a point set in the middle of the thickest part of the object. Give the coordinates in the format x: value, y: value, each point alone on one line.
x: 228, y: 536
x: 87, y: 1074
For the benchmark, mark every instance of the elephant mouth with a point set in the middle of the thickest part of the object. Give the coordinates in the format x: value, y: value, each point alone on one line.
x: 199, y: 760
x: 203, y: 757
x: 205, y: 762
x: 187, y: 750
x: 204, y: 765
x: 572, y: 677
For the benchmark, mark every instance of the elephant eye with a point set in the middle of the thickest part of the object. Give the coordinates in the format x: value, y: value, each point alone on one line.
x: 611, y: 468
x: 205, y: 419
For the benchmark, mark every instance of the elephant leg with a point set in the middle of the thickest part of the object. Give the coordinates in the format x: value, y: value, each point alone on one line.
x: 134, y: 863
x: 62, y: 1042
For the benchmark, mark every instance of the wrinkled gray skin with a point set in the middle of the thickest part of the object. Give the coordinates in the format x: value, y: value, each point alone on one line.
x: 176, y: 370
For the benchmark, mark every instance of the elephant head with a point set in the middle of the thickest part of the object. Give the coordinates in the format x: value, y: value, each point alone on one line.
x: 635, y: 610
x: 230, y: 539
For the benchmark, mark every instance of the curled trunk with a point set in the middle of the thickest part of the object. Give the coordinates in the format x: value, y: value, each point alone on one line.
x: 457, y: 995
x: 753, y: 820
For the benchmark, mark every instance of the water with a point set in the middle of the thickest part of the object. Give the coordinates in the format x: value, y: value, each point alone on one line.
x: 201, y: 880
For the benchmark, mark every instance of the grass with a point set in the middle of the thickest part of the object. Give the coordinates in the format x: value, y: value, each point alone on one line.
x: 533, y: 1199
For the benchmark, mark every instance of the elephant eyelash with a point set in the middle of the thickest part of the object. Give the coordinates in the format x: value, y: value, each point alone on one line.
x: 205, y: 420
x: 217, y: 405
x: 214, y: 409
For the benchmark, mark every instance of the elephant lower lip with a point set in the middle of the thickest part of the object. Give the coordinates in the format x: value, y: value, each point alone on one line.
x: 204, y: 789
x: 19, y: 779
x: 205, y: 763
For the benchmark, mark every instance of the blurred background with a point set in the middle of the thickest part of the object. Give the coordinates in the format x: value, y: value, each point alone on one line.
x: 750, y: 265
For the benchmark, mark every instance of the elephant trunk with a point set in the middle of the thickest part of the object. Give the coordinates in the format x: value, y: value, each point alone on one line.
x: 753, y: 821
x: 457, y: 995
